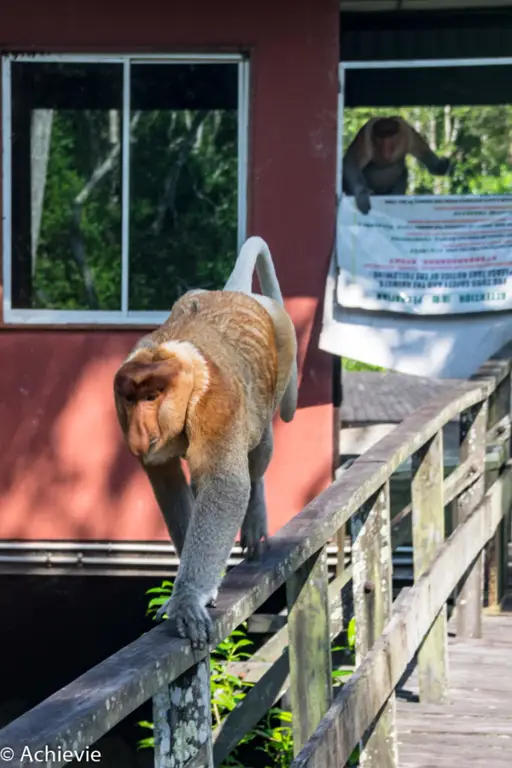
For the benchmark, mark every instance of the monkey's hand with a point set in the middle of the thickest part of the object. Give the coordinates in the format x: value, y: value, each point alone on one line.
x: 444, y: 166
x: 362, y: 198
x: 186, y: 609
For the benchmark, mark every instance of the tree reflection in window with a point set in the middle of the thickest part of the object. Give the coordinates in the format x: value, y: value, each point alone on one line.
x: 67, y: 183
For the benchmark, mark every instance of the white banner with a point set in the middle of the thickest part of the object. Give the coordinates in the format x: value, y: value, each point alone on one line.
x: 426, y: 255
x: 452, y: 346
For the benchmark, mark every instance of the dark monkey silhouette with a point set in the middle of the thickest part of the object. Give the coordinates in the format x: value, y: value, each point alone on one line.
x: 374, y: 163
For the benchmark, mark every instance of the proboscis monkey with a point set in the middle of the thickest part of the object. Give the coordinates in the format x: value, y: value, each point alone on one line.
x: 204, y: 387
x: 374, y: 163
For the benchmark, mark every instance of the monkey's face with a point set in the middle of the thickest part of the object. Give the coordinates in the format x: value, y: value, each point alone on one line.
x: 388, y: 149
x: 152, y: 393
x: 387, y: 140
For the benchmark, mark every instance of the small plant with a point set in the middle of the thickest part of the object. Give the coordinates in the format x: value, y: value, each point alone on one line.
x: 339, y: 675
x: 274, y: 732
x: 356, y: 365
x: 227, y: 690
x: 277, y: 739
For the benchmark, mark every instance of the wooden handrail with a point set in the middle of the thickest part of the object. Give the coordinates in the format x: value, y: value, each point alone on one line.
x: 361, y: 699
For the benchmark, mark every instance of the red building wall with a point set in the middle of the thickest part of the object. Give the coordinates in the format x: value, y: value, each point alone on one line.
x: 64, y: 471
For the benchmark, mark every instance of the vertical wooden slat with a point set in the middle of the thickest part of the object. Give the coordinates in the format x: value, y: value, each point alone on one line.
x: 496, y: 551
x: 182, y: 721
x: 346, y: 596
x: 340, y: 541
x: 473, y: 430
x: 494, y: 570
x: 309, y: 647
x: 372, y: 584
x: 428, y: 534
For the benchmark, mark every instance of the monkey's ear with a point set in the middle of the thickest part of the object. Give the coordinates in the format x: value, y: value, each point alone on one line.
x: 126, y: 382
x: 136, y: 379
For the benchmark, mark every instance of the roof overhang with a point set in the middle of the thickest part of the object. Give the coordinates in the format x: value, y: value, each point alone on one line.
x: 372, y: 6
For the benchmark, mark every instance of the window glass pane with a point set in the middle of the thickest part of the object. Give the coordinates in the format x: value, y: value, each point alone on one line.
x: 66, y: 185
x: 183, y: 180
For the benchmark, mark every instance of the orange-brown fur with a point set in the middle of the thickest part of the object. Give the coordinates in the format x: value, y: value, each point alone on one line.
x: 237, y: 339
x: 204, y: 387
x: 392, y: 145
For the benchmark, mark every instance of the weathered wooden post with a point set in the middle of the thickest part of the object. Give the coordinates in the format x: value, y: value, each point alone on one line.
x: 496, y: 553
x: 372, y: 584
x: 428, y: 535
x: 182, y: 721
x: 473, y: 431
x: 309, y: 647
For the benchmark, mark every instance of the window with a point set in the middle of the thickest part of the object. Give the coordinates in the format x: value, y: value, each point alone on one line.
x: 124, y: 183
x: 462, y: 108
x: 428, y: 232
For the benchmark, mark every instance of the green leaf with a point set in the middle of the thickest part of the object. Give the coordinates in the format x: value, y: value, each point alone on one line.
x: 351, y: 632
x: 148, y: 743
x: 156, y: 602
x: 145, y: 724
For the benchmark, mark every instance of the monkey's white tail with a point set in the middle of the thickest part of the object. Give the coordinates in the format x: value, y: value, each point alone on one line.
x: 255, y: 254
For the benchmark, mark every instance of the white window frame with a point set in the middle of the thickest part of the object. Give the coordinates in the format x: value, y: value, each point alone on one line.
x: 123, y: 316
x: 401, y: 64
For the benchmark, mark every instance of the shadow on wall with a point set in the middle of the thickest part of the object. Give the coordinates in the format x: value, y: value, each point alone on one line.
x: 66, y: 473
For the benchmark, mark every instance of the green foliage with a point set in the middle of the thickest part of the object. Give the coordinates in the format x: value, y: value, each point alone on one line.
x: 339, y: 675
x: 277, y: 739
x: 182, y: 208
x: 273, y: 734
x: 355, y: 365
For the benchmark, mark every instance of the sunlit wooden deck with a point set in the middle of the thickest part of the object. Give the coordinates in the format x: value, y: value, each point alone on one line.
x: 474, y: 728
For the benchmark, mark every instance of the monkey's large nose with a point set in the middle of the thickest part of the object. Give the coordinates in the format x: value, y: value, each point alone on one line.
x: 139, y: 440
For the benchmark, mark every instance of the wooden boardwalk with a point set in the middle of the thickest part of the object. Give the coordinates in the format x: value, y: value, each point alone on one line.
x: 474, y: 728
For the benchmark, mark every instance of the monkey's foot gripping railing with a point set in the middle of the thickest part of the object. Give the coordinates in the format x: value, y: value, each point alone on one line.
x: 389, y: 635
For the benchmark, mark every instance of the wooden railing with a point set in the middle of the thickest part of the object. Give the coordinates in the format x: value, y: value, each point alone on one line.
x: 326, y: 728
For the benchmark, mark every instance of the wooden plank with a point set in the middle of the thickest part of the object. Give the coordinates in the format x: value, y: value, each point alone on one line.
x: 455, y: 709
x: 495, y: 555
x: 455, y: 726
x: 253, y: 669
x: 413, y: 759
x: 428, y: 537
x: 341, y: 537
x: 496, y: 368
x: 182, y: 721
x: 496, y: 570
x: 473, y: 429
x: 355, y: 707
x: 372, y: 580
x: 475, y: 728
x: 309, y: 646
x: 499, y: 406
x: 457, y: 481
x: 265, y: 623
